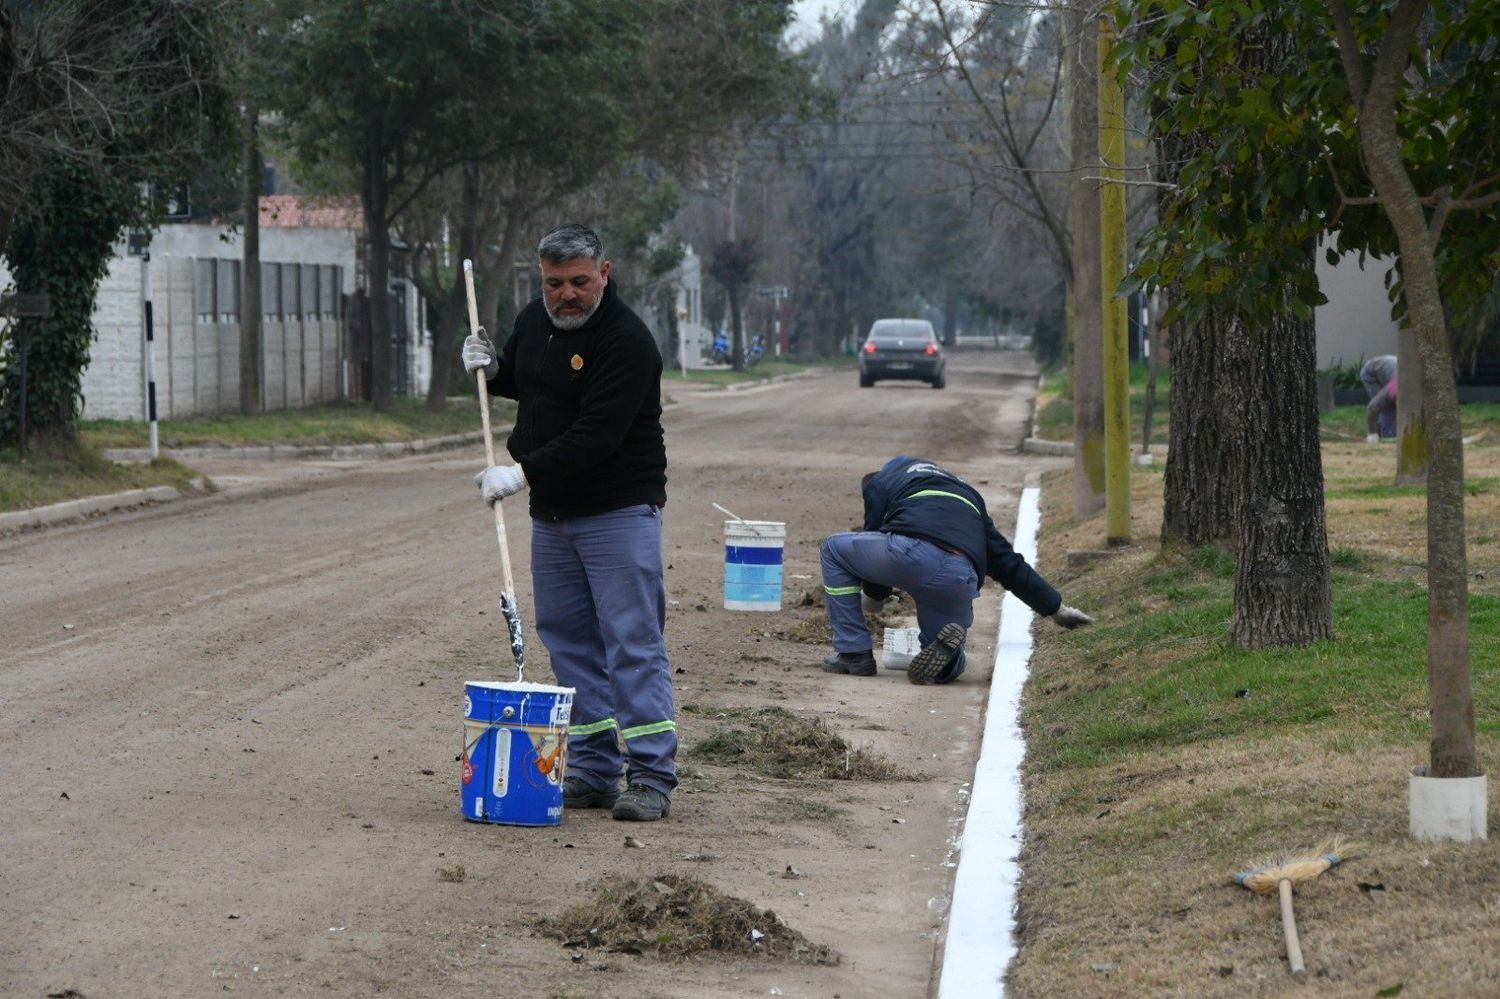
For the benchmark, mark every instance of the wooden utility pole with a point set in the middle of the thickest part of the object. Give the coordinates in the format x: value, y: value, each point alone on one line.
x: 1116, y: 343
x: 1085, y: 314
x: 252, y: 328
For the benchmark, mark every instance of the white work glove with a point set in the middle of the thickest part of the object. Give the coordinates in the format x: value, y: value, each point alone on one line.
x: 480, y: 353
x: 1071, y: 617
x: 1372, y: 439
x: 870, y: 605
x: 499, y: 481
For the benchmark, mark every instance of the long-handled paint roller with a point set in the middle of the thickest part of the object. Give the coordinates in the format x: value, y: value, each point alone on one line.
x: 1280, y: 876
x: 738, y: 519
x: 507, y: 582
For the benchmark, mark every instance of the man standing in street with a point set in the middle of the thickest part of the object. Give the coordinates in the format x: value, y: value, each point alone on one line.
x: 927, y: 532
x: 586, y: 375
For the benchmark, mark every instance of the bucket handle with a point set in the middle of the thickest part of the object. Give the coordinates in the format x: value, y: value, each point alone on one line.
x: 736, y: 517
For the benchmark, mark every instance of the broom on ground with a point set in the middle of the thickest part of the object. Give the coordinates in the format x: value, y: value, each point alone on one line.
x: 1279, y: 876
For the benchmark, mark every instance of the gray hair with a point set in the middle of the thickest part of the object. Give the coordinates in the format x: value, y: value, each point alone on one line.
x: 570, y: 242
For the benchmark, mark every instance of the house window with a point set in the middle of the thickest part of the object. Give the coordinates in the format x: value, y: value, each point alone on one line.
x: 328, y: 291
x: 270, y: 291
x: 207, y: 291
x: 227, y: 280
x: 291, y: 292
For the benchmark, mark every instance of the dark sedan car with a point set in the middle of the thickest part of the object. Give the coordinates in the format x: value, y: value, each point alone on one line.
x: 902, y: 348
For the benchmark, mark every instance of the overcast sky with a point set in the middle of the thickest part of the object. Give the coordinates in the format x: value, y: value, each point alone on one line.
x: 811, y: 12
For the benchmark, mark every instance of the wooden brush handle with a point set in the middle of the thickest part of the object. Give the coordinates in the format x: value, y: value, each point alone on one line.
x: 1289, y: 927
x: 507, y: 581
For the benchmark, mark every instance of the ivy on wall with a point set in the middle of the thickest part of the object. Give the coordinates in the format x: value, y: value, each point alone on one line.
x: 63, y: 249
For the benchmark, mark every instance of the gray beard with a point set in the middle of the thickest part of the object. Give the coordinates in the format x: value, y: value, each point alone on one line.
x: 574, y: 322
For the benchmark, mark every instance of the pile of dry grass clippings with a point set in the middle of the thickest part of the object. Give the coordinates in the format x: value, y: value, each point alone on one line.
x: 777, y: 743
x: 673, y: 916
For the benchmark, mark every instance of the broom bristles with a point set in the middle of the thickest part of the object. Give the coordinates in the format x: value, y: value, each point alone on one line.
x: 1296, y: 869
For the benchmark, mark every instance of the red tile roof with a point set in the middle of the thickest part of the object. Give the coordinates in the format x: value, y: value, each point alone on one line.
x: 295, y: 211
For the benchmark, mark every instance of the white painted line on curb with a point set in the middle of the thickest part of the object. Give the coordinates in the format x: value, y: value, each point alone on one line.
x: 981, y: 924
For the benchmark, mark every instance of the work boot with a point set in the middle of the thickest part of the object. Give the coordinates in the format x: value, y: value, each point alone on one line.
x: 578, y: 793
x: 852, y: 663
x: 937, y: 658
x: 640, y: 803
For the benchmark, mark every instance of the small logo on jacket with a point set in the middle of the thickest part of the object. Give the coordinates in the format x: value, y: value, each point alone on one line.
x: 577, y: 362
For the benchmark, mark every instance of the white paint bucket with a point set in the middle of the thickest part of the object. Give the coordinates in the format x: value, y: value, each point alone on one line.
x: 901, y: 645
x: 753, y: 555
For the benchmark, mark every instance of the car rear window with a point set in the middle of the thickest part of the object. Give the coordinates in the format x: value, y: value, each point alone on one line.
x: 887, y: 329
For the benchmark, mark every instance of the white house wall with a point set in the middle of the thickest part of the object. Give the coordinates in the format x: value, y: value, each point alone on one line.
x: 196, y: 361
x: 1356, y: 323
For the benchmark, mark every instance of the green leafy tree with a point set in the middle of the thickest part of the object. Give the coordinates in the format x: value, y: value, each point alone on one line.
x: 587, y: 97
x: 395, y: 92
x: 1380, y: 132
x: 98, y: 102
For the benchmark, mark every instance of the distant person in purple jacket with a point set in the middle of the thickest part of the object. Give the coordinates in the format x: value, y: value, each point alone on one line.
x: 1378, y: 375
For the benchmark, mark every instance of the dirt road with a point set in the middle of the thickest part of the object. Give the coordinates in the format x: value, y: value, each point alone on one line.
x: 228, y: 727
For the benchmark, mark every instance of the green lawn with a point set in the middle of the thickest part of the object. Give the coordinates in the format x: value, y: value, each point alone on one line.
x: 1055, y: 413
x: 332, y: 423
x: 1171, y: 678
x: 1161, y: 757
x: 1349, y: 421
x: 56, y: 474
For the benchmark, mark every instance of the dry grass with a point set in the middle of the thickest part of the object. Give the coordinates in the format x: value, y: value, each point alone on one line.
x: 809, y: 618
x: 672, y: 916
x: 1132, y: 843
x: 774, y: 742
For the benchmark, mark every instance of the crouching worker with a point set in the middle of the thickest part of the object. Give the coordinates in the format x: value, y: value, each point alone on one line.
x: 926, y: 532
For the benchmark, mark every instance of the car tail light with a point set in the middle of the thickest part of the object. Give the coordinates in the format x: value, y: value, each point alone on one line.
x: 931, y: 349
x: 869, y: 346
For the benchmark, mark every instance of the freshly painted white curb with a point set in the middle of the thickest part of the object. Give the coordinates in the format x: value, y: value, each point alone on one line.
x: 981, y: 924
x: 73, y: 509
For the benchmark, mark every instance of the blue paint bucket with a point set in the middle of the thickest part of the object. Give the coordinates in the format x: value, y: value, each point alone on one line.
x: 753, y: 553
x: 515, y: 752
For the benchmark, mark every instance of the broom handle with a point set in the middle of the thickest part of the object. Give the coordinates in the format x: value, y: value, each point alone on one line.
x: 1289, y: 927
x: 506, y: 583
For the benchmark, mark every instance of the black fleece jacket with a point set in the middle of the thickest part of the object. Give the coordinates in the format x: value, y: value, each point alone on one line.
x: 588, y: 420
x: 918, y: 499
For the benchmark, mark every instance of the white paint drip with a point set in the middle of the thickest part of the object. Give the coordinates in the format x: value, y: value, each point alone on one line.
x: 981, y: 925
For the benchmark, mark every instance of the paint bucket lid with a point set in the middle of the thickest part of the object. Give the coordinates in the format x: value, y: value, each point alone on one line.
x: 763, y: 529
x: 520, y: 687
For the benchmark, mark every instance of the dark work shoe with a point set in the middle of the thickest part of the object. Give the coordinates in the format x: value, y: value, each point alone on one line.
x: 640, y: 803
x: 852, y: 663
x: 938, y: 657
x: 578, y: 794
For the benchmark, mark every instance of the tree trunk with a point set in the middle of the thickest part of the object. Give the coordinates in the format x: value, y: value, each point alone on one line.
x: 1197, y: 492
x: 1411, y: 415
x: 378, y: 245
x: 499, y: 274
x: 736, y: 325
x: 251, y: 325
x: 1449, y: 675
x: 453, y: 325
x: 1088, y: 304
x: 1281, y: 582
